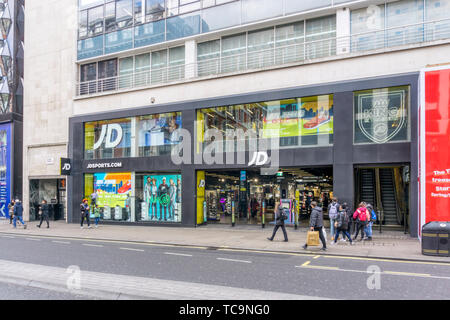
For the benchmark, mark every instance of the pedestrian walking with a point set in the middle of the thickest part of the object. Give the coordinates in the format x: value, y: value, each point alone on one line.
x: 361, y: 220
x: 342, y: 223
x: 96, y: 215
x: 84, y: 207
x: 11, y: 211
x: 280, y: 216
x: 44, y: 211
x: 333, y: 209
x: 372, y: 218
x: 18, y: 212
x: 316, y: 224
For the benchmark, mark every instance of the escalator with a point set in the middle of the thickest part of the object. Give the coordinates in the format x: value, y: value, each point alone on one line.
x: 377, y: 186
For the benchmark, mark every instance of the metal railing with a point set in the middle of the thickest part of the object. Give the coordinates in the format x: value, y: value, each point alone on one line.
x: 298, y: 53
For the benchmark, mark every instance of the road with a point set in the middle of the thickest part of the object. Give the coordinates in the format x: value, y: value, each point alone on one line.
x: 195, y: 272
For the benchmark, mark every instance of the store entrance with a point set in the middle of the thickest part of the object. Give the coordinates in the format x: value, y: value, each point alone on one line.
x: 249, y: 194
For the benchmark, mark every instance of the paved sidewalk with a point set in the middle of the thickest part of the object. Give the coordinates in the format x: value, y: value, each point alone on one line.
x: 389, y: 244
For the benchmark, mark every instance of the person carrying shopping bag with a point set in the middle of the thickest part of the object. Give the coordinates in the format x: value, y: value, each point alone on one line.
x: 316, y: 224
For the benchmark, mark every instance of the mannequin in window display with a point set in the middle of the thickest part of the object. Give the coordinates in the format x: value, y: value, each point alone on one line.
x: 151, y: 193
x: 164, y: 199
x: 172, y: 195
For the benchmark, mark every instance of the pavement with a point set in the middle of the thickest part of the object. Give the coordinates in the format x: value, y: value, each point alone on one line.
x: 388, y: 244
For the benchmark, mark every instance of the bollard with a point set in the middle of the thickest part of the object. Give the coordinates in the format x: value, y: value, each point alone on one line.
x: 232, y: 214
x: 295, y: 215
x: 205, y: 220
x: 263, y: 222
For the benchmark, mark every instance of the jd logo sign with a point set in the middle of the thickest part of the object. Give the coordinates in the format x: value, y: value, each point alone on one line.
x: 65, y: 167
x: 259, y: 158
x: 111, y: 134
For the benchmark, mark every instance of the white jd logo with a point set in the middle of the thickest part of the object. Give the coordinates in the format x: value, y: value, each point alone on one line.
x: 259, y: 158
x: 202, y: 183
x: 107, y: 130
x: 66, y: 166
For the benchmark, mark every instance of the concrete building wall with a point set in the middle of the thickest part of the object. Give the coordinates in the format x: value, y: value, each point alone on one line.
x: 50, y: 73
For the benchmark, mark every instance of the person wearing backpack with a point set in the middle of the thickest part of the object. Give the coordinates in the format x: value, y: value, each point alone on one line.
x: 372, y: 218
x: 342, y: 223
x: 361, y: 220
x: 333, y: 209
x: 280, y: 216
x: 316, y: 224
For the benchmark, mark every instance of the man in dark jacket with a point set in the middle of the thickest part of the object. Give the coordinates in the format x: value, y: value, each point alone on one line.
x: 18, y: 212
x: 316, y: 224
x: 84, y: 208
x: 44, y: 211
x: 279, y: 222
x: 11, y: 211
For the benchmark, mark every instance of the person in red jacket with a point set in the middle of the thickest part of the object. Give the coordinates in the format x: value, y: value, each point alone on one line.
x: 361, y: 220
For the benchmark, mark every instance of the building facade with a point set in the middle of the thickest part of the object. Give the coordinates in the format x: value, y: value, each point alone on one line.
x: 11, y: 101
x: 141, y: 96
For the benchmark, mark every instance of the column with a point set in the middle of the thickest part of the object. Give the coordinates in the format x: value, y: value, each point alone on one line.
x: 190, y: 59
x: 343, y: 31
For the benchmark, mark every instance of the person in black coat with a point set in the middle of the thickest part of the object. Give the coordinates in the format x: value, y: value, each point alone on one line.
x: 279, y: 222
x: 18, y: 212
x: 316, y: 224
x: 44, y: 211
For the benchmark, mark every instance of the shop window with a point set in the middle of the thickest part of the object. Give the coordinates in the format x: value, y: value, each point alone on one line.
x: 107, y: 139
x: 158, y: 197
x: 382, y: 115
x: 295, y: 122
x: 157, y: 133
x: 112, y: 193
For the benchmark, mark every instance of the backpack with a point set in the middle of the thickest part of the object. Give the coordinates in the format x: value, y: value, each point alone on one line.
x: 333, y: 211
x: 284, y: 213
x: 374, y: 216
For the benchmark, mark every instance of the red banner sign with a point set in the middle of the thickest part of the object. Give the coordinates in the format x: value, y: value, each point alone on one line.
x: 435, y: 145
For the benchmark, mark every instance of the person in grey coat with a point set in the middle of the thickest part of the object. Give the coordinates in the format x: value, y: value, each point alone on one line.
x: 279, y: 223
x: 316, y: 224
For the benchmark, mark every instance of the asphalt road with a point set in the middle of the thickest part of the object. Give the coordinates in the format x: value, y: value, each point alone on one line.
x: 309, y: 275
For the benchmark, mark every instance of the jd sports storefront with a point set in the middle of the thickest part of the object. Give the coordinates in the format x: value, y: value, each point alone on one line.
x: 124, y: 157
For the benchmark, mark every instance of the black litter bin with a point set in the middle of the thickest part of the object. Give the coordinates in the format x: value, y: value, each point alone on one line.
x: 436, y: 238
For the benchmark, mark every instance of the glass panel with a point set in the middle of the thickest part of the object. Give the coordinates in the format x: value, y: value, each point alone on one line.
x: 404, y: 13
x: 189, y: 7
x: 149, y: 33
x: 367, y: 28
x: 138, y: 7
x: 176, y: 63
x: 303, y: 5
x: 260, y: 48
x: 112, y: 194
x: 107, y: 70
x: 290, y: 43
x: 142, y: 70
x: 158, y: 197
x: 437, y: 10
x: 321, y: 37
x: 253, y: 10
x: 89, y: 3
x: 156, y: 133
x: 296, y: 122
x: 172, y: 7
x: 159, y: 66
x: 233, y: 53
x: 381, y: 115
x: 221, y: 17
x: 82, y: 24
x: 124, y: 16
x: 110, y: 16
x: 88, y: 75
x: 119, y: 41
x: 126, y: 72
x: 208, y: 56
x: 107, y: 139
x: 183, y: 26
x: 91, y: 47
x: 155, y: 10
x: 95, y: 20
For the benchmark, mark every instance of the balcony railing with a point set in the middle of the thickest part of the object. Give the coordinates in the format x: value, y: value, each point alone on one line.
x: 298, y: 53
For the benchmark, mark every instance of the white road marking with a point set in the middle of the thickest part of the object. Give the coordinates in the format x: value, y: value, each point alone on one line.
x: 11, y: 237
x: 32, y: 239
x: 92, y: 245
x: 64, y: 242
x: 233, y: 260
x: 178, y: 254
x: 132, y: 249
